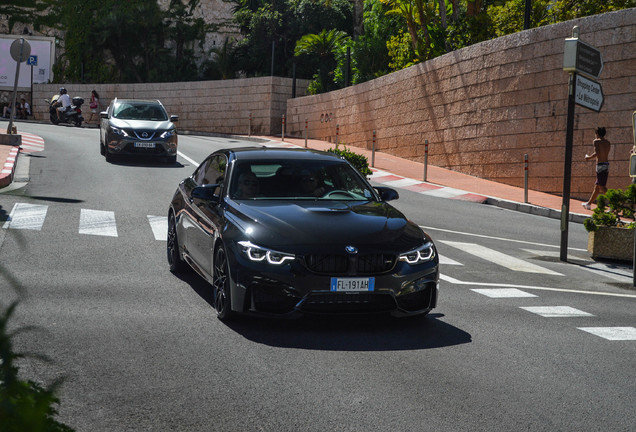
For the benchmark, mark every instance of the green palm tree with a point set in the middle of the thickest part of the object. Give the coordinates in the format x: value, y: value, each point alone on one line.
x: 322, y: 45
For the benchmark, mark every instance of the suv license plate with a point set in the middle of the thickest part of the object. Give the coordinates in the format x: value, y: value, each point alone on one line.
x: 352, y: 284
x: 145, y: 144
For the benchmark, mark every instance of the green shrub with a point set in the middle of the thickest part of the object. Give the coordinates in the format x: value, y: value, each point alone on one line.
x: 360, y: 162
x: 24, y: 405
x: 613, y: 208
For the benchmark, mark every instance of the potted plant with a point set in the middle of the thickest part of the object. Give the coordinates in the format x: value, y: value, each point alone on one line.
x: 611, y: 226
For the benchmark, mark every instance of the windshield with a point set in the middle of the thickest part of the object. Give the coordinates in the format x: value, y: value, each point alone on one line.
x: 139, y: 111
x: 298, y: 179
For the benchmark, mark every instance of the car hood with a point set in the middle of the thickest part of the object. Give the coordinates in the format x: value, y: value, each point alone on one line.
x: 294, y: 226
x: 142, y: 124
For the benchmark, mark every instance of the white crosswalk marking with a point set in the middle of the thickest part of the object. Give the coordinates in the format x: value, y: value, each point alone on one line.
x: 499, y: 258
x: 556, y: 311
x: 612, y: 333
x: 98, y: 222
x: 503, y: 292
x: 159, y: 225
x: 26, y: 216
x: 448, y: 261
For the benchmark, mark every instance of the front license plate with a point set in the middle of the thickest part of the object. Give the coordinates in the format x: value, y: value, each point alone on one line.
x: 352, y: 284
x: 145, y: 144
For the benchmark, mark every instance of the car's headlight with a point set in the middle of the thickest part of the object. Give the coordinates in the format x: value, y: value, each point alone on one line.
x: 257, y: 253
x: 119, y: 131
x: 424, y: 253
x: 167, y: 134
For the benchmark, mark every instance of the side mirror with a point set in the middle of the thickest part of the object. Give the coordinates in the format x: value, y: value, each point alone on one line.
x: 206, y: 192
x: 387, y: 194
x: 174, y: 118
x: 103, y: 114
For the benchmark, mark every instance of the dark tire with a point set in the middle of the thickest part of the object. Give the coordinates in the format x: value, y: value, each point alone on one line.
x: 109, y: 156
x: 102, y: 149
x: 221, y: 286
x: 78, y: 123
x: 171, y: 160
x: 177, y: 265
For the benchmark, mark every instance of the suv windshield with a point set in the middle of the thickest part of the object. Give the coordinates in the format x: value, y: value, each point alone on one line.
x: 139, y: 111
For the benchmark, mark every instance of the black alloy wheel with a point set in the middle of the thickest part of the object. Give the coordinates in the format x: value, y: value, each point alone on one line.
x: 221, y: 285
x: 177, y: 265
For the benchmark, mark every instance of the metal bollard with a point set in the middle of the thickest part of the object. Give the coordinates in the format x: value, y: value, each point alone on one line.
x: 337, y: 135
x: 306, y: 131
x: 525, y: 175
x: 373, y: 151
x: 425, y: 158
x: 249, y: 126
x: 283, y: 132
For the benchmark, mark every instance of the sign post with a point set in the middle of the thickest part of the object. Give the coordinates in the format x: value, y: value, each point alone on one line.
x: 20, y: 50
x: 579, y: 58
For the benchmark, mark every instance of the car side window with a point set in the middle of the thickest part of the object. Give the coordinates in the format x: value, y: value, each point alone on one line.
x: 214, y: 172
x: 199, y: 175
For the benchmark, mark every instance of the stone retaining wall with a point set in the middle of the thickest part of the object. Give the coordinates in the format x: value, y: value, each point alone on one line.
x: 221, y: 107
x: 483, y: 107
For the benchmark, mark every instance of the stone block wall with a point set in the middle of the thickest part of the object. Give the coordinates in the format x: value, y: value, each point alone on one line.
x: 483, y: 107
x: 221, y: 107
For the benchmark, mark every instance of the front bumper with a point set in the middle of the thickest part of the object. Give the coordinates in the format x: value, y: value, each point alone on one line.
x: 292, y: 289
x: 125, y: 146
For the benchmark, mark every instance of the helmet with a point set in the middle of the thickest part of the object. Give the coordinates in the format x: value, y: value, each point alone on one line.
x: 62, y: 90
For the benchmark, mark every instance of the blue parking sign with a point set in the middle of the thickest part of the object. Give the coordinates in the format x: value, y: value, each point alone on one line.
x: 32, y: 60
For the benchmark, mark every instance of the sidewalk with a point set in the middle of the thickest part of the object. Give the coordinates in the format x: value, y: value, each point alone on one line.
x: 408, y: 175
x: 497, y: 194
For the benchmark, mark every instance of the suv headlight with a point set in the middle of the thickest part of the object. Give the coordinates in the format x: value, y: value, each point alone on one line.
x: 422, y: 254
x: 257, y: 253
x: 167, y: 134
x: 119, y: 131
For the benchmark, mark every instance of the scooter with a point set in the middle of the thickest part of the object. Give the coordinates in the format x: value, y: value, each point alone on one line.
x: 73, y: 113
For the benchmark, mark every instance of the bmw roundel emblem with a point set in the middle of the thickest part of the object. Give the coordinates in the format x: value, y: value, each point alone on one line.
x: 352, y: 250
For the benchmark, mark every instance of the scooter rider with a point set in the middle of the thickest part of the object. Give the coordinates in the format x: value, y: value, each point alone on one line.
x: 62, y: 102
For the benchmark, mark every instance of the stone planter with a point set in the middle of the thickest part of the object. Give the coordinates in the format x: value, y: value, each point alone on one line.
x: 612, y: 243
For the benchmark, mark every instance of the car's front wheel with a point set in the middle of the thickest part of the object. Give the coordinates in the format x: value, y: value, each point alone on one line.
x: 177, y: 265
x: 221, y: 285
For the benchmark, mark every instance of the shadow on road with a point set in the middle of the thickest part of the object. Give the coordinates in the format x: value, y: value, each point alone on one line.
x: 352, y: 333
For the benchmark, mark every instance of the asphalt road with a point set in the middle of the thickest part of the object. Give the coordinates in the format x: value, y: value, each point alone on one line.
x: 531, y: 344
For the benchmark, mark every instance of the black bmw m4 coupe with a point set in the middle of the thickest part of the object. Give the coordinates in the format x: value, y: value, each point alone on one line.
x: 287, y: 232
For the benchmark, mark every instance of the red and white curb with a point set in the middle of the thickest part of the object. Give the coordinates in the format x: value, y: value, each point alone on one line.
x: 394, y: 181
x: 6, y: 175
x: 31, y: 143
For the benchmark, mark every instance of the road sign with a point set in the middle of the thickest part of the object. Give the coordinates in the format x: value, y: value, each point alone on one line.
x: 589, y: 94
x: 20, y: 50
x: 583, y: 58
x: 32, y: 60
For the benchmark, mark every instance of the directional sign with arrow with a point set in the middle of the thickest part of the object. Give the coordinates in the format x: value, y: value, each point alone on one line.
x: 588, y: 93
x: 582, y: 58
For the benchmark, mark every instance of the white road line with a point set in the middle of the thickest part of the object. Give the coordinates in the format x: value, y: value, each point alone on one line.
x: 496, y: 238
x: 612, y: 333
x: 98, y: 222
x: 159, y: 225
x: 499, y: 258
x: 448, y: 261
x: 454, y: 281
x: 503, y: 293
x: 401, y: 183
x: 26, y: 216
x: 193, y: 162
x: 556, y: 311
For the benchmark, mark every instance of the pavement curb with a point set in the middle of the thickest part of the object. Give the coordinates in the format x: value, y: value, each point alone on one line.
x: 8, y: 170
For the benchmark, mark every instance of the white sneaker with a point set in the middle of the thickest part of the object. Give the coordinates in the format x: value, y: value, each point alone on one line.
x: 586, y: 206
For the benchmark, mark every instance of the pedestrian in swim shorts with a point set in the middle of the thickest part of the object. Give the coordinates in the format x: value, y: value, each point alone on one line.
x: 601, y: 154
